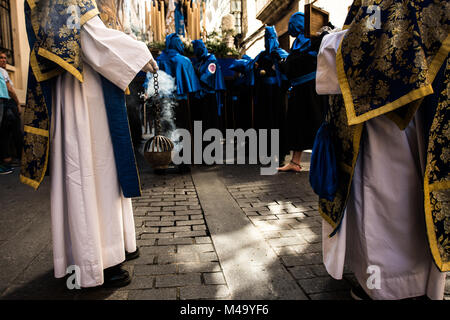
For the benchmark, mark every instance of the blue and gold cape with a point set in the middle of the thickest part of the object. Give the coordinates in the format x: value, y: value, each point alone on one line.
x: 396, y: 65
x: 54, y: 40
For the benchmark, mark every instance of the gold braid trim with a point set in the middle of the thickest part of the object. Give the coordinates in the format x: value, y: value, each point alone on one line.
x: 443, y: 266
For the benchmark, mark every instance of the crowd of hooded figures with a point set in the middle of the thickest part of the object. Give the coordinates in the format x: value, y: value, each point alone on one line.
x: 372, y: 104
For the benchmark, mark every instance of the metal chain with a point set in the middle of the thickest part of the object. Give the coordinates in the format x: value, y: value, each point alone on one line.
x: 157, y: 105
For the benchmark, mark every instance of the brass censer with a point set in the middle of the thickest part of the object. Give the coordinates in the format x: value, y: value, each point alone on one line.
x: 158, y: 149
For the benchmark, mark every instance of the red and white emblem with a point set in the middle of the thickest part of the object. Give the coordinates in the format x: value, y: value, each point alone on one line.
x: 212, y: 68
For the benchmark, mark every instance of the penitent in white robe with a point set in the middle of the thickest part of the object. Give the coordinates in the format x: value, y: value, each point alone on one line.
x: 384, y: 222
x: 92, y: 222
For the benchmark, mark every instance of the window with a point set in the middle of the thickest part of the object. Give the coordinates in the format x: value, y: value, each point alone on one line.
x: 6, y: 39
x: 236, y: 11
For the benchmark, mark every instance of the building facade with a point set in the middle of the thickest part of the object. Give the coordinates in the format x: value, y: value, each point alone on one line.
x: 13, y: 39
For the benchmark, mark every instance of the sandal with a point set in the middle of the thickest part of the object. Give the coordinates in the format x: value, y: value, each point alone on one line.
x: 295, y: 164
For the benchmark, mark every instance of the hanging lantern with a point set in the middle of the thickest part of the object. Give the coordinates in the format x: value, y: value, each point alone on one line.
x: 158, y: 149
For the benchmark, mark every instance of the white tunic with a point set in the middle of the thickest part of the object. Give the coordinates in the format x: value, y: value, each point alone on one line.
x: 384, y: 222
x: 92, y: 222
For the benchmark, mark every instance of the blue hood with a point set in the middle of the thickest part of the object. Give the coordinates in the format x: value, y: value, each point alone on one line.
x: 173, y: 42
x: 296, y: 29
x: 200, y: 50
x: 271, y: 39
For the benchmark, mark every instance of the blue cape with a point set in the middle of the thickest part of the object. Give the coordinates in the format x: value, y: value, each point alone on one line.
x: 178, y: 66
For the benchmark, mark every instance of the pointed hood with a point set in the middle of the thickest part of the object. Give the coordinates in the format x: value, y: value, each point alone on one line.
x: 271, y: 39
x: 173, y: 42
x: 200, y: 50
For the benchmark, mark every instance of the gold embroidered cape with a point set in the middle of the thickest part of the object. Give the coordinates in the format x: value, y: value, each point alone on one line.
x: 54, y: 38
x: 387, y: 64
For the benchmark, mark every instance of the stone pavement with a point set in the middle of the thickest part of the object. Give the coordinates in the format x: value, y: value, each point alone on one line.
x: 220, y: 232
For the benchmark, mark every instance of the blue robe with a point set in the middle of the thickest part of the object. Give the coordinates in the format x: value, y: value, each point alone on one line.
x: 269, y: 83
x: 209, y: 73
x: 178, y: 66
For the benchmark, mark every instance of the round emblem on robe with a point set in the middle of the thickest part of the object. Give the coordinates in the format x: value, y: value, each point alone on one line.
x: 212, y: 68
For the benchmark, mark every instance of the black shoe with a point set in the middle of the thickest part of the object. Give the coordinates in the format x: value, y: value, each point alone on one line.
x: 116, y: 277
x: 132, y: 255
x: 358, y: 293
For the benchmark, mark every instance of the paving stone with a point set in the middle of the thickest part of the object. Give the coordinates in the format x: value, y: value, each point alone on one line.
x: 319, y: 270
x: 153, y: 294
x: 143, y: 259
x: 156, y: 236
x: 214, y: 278
x: 175, y: 241
x: 158, y: 249
x: 326, y: 284
x: 178, y: 280
x: 162, y: 203
x: 175, y: 229
x: 188, y: 212
x: 177, y: 258
x: 159, y: 213
x: 337, y: 295
x: 208, y: 256
x: 200, y: 240
x: 140, y: 282
x: 159, y: 223
x: 144, y: 243
x: 199, y: 228
x: 146, y: 270
x: 189, y: 234
x: 175, y: 218
x: 199, y: 267
x: 175, y: 208
x: 190, y: 222
x: 199, y: 248
x: 286, y: 241
x: 301, y: 272
x: 204, y: 292
x: 301, y: 260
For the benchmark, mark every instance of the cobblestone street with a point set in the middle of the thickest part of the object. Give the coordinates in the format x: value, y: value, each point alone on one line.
x: 219, y: 232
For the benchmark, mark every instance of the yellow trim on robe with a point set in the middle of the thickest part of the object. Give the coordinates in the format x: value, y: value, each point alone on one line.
x: 56, y: 59
x: 32, y: 3
x: 36, y: 131
x: 409, y: 97
x: 36, y: 183
x: 443, y: 266
x: 37, y: 71
x: 88, y: 16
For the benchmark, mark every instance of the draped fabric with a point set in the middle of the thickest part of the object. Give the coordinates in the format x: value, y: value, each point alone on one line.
x: 54, y: 39
x: 178, y: 66
x: 54, y: 48
x: 387, y: 64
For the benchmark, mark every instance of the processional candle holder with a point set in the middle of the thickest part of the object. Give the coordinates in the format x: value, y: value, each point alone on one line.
x: 158, y: 149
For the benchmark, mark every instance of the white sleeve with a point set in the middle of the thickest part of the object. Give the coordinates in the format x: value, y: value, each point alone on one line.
x: 112, y: 53
x: 326, y: 77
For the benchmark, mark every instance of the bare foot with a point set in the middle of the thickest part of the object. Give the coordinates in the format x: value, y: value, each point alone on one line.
x: 290, y: 167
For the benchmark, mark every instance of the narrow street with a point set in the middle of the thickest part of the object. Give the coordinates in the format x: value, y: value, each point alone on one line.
x: 219, y: 232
